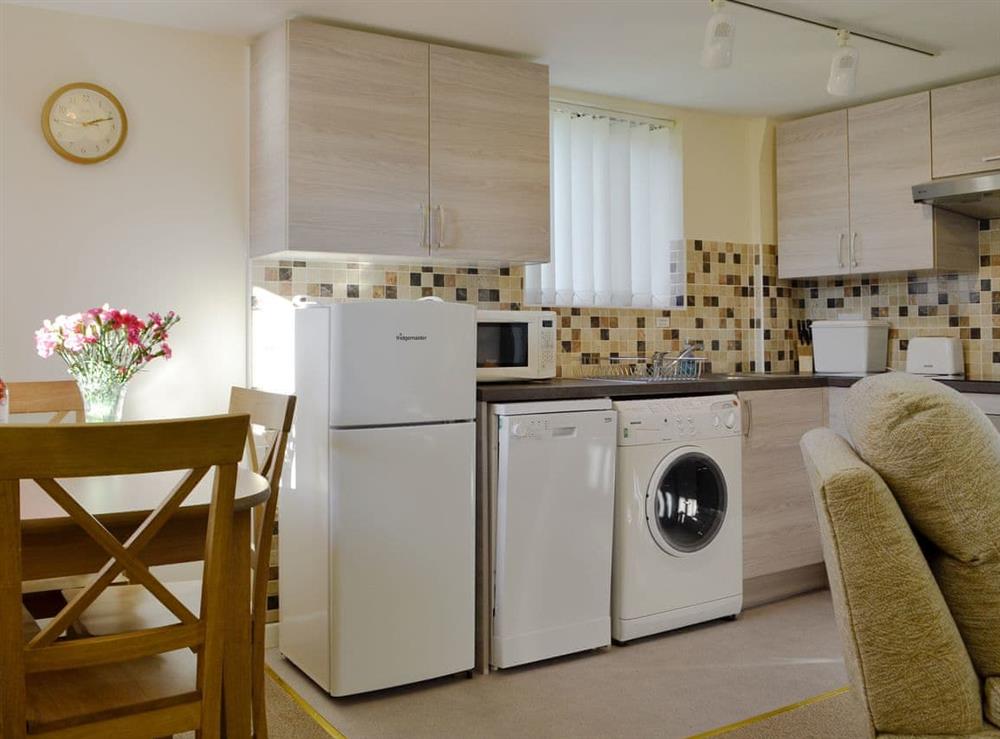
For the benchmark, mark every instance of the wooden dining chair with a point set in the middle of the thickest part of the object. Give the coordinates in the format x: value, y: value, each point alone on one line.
x: 271, y: 417
x: 133, y: 683
x: 59, y: 397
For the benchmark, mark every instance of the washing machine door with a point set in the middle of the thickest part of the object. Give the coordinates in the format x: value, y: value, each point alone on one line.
x: 686, y: 502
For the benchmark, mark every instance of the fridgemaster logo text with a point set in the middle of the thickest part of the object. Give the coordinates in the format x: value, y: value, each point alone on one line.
x: 410, y: 337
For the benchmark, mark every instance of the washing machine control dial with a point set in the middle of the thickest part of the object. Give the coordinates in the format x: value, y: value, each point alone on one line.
x: 519, y: 430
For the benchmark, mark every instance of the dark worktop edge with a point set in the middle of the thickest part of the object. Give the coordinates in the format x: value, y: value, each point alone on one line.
x: 574, y: 389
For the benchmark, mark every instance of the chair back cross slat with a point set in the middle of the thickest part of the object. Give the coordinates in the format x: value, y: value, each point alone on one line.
x: 123, y: 558
x: 134, y: 544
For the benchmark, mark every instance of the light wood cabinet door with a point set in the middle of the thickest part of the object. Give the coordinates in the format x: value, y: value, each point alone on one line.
x: 780, y: 529
x: 357, y: 141
x: 812, y: 190
x: 489, y: 157
x: 890, y: 151
x: 966, y: 127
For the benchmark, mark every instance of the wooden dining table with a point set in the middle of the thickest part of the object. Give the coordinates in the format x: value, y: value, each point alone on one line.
x: 53, y: 546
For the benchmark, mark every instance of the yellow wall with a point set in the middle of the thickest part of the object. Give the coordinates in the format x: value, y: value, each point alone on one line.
x: 728, y: 168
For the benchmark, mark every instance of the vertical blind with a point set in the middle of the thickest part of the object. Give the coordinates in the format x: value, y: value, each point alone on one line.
x: 617, y: 214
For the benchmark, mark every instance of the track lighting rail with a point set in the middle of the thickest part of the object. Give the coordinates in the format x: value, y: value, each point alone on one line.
x: 832, y: 27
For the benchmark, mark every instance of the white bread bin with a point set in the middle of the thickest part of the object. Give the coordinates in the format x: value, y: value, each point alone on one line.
x: 850, y: 347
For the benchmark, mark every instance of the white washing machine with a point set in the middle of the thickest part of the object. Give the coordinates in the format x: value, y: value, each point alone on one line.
x: 678, y: 542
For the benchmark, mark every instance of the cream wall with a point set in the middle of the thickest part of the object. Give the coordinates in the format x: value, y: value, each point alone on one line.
x: 728, y: 169
x: 761, y: 172
x: 160, y: 226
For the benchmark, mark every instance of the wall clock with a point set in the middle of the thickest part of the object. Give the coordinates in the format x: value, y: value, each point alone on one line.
x: 84, y: 123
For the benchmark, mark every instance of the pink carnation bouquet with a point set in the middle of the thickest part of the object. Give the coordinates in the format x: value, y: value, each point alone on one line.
x: 103, y: 349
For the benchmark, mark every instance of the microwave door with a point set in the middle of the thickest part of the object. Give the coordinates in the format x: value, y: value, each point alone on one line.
x: 503, y: 345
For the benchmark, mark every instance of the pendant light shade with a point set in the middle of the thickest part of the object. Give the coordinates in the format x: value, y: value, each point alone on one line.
x: 717, y: 50
x: 843, y: 67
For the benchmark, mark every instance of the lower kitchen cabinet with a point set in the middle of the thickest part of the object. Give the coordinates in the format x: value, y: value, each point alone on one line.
x: 837, y: 396
x: 780, y: 527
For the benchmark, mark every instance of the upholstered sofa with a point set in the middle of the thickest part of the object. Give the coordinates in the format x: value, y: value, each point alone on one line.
x: 909, y: 511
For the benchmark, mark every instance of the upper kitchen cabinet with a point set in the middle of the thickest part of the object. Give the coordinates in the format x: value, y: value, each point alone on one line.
x: 489, y: 156
x: 355, y: 143
x: 965, y: 122
x: 845, y: 202
x: 889, y: 144
x: 812, y: 186
x: 364, y: 144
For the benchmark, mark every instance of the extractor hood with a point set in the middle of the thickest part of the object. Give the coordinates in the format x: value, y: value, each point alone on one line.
x: 975, y: 195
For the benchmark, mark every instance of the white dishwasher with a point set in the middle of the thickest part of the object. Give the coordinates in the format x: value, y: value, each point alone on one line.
x: 552, y: 504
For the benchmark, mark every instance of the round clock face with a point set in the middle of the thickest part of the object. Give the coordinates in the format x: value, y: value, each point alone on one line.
x: 84, y: 123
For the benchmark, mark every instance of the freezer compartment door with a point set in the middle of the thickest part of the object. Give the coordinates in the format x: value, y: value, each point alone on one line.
x: 399, y: 362
x: 402, y: 555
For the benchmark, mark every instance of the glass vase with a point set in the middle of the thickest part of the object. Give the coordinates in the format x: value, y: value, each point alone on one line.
x: 103, y: 401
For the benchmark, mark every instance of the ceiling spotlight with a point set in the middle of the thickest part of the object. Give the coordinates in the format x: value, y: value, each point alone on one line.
x: 717, y: 51
x: 843, y: 67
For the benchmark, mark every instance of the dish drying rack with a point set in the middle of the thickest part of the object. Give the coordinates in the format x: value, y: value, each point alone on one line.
x: 661, y: 367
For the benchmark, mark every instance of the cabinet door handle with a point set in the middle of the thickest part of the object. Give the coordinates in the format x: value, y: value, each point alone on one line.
x: 854, y: 253
x: 994, y: 158
x: 748, y: 418
x: 440, y: 239
x: 840, y: 251
x: 425, y: 214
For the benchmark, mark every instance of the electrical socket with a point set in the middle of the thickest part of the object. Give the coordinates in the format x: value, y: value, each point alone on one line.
x: 662, y: 322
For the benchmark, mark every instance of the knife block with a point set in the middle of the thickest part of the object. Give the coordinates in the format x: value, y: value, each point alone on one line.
x: 805, y: 355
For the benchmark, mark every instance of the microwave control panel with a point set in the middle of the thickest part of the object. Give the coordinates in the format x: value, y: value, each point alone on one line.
x: 547, y: 344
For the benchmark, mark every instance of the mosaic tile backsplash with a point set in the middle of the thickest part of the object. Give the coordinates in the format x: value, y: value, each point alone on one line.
x: 721, y: 304
x: 735, y: 306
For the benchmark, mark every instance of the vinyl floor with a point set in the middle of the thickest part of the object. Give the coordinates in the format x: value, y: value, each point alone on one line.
x: 666, y: 686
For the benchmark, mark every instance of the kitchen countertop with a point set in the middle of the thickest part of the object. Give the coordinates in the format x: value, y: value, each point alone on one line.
x: 575, y: 388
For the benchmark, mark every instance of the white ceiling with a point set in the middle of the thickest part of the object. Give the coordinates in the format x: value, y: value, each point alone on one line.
x: 644, y: 49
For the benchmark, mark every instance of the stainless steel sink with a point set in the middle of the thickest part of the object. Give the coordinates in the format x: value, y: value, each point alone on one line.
x: 645, y: 380
x: 642, y: 380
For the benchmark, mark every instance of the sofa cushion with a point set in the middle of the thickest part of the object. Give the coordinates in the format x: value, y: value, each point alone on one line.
x: 938, y: 453
x: 904, y: 653
x: 972, y: 591
x: 992, y: 695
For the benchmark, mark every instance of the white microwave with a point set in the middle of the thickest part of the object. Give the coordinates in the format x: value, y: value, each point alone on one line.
x: 515, y: 345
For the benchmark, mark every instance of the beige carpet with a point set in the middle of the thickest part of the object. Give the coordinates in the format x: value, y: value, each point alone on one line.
x: 833, y: 714
x: 288, y: 717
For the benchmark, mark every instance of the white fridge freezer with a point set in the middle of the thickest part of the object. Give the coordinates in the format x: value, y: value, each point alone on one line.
x: 377, y: 519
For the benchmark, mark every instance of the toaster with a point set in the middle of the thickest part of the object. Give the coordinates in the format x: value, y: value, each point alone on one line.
x: 935, y: 356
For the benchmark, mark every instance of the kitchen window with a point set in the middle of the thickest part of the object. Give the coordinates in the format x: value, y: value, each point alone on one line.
x: 617, y: 213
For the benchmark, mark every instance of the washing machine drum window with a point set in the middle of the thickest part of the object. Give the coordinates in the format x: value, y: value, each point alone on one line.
x: 686, y: 503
